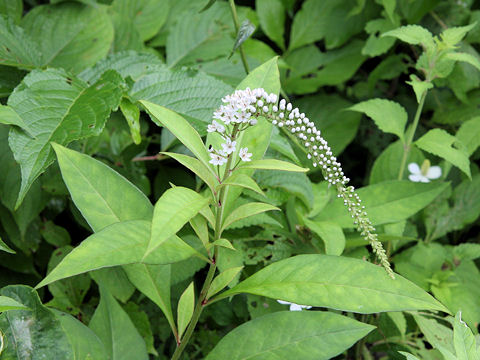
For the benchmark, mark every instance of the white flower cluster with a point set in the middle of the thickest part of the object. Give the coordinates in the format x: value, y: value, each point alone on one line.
x: 241, y: 110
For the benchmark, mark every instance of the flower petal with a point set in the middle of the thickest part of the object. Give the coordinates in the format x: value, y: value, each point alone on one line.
x: 415, y: 177
x: 434, y: 172
x: 414, y: 169
x: 283, y: 302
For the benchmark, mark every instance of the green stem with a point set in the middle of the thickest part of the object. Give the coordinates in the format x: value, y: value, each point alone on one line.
x: 233, y: 9
x: 213, y: 266
x: 408, y: 144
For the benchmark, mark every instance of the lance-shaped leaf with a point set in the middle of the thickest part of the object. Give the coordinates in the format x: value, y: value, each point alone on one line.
x: 336, y: 282
x: 56, y: 107
x: 7, y: 303
x: 440, y: 143
x: 117, y: 332
x: 5, y: 247
x: 413, y: 34
x: 272, y: 164
x: 331, y: 234
x: 389, y: 116
x: 244, y: 32
x: 465, y: 57
x: 222, y: 280
x: 306, y: 335
x: 242, y: 180
x: 173, y: 210
x: 131, y: 112
x: 463, y: 340
x: 102, y: 195
x: 121, y: 243
x: 179, y: 127
x: 247, y: 210
x: 185, y: 308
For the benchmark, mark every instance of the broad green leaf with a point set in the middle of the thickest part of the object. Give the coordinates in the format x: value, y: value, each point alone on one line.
x: 13, y: 9
x: 115, y: 329
x: 100, y: 193
x: 132, y: 115
x: 55, y: 235
x: 184, y: 132
x: 331, y: 234
x: 386, y: 202
x: 336, y: 282
x: 8, y: 116
x: 85, y: 343
x: 172, y: 211
x: 413, y: 34
x: 242, y: 180
x: 389, y: 116
x: 80, y: 112
x: 222, y: 280
x: 141, y: 321
x: 271, y: 14
x: 7, y: 303
x: 440, y: 143
x: 453, y: 35
x: 16, y: 47
x: 32, y: 334
x: 154, y: 282
x: 246, y: 210
x: 469, y: 134
x: 244, y: 32
x: 437, y: 334
x: 203, y: 171
x: 464, y: 341
x: 185, y: 308
x: 272, y: 164
x: 307, y: 335
x: 115, y: 280
x: 5, y: 247
x: 465, y: 57
x: 70, y: 35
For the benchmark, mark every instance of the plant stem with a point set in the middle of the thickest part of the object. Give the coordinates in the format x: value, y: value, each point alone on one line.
x: 213, y: 266
x: 408, y: 144
x: 233, y: 9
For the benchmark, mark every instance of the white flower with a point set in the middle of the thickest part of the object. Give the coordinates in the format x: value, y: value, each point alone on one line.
x: 425, y: 173
x: 244, y: 154
x: 217, y: 159
x: 293, y: 306
x: 229, y: 147
x: 215, y: 126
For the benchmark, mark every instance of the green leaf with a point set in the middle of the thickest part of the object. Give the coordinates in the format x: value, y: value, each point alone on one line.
x: 172, y: 211
x: 115, y: 329
x: 336, y: 282
x: 32, y: 334
x: 203, y: 171
x: 408, y: 355
x: 452, y: 36
x: 291, y: 335
x: 242, y: 180
x: 186, y: 305
x: 55, y: 235
x: 463, y: 339
x: 244, y: 32
x: 469, y: 134
x: 465, y: 57
x: 132, y: 115
x: 115, y: 280
x: 70, y: 35
x: 375, y: 44
x: 95, y: 189
x: 271, y: 14
x: 438, y: 335
x: 199, y: 225
x: 386, y: 202
x: 222, y: 280
x: 184, y: 132
x: 7, y: 303
x: 413, y: 34
x: 246, y: 210
x: 223, y: 243
x: 85, y: 343
x: 331, y: 234
x: 272, y: 164
x: 13, y: 9
x: 440, y: 143
x: 80, y: 112
x: 154, y: 282
x: 5, y: 247
x: 419, y: 87
x: 389, y: 116
x: 16, y: 47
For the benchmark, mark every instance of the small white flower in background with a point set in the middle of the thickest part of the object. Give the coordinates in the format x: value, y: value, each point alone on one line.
x: 244, y: 154
x: 229, y: 147
x: 215, y: 126
x: 293, y: 306
x: 217, y: 159
x: 425, y: 173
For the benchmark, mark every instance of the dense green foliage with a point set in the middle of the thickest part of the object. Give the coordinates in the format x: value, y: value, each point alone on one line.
x: 125, y: 233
